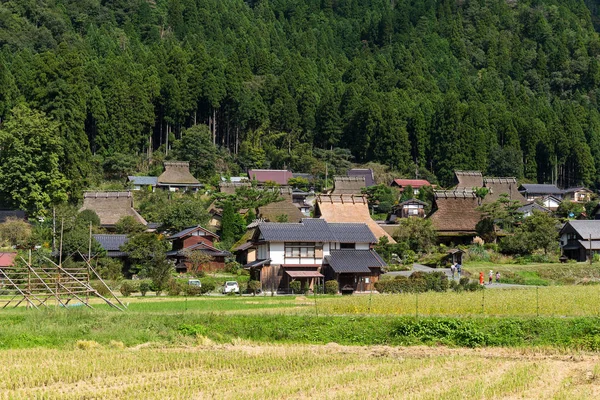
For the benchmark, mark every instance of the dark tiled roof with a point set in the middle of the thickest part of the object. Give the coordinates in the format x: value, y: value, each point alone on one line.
x: 143, y: 180
x: 532, y: 206
x: 6, y: 214
x: 317, y: 230
x: 210, y: 250
x: 190, y: 230
x: 535, y: 188
x: 354, y: 261
x: 585, y: 228
x: 111, y: 242
x: 366, y: 172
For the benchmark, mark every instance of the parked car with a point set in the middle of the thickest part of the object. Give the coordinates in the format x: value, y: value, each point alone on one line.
x: 194, y: 282
x: 231, y: 286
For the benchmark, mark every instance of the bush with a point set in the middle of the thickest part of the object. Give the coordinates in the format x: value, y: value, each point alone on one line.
x: 174, y: 288
x: 253, y: 287
x: 126, y: 288
x: 232, y: 267
x: 144, y: 287
x: 295, y: 286
x: 101, y: 288
x: 207, y: 287
x: 192, y: 290
x: 434, y: 260
x: 332, y: 287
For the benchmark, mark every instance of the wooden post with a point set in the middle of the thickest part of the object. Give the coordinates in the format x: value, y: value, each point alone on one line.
x: 591, y: 249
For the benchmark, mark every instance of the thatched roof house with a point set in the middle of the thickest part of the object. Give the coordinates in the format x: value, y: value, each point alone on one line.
x: 348, y: 208
x: 467, y: 180
x: 498, y: 186
x: 348, y: 184
x: 455, y: 215
x: 275, y: 211
x: 111, y: 206
x: 177, y: 176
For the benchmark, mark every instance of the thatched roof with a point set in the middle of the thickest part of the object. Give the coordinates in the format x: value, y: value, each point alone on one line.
x: 498, y: 186
x: 348, y: 184
x: 272, y: 211
x: 348, y: 208
x: 455, y: 211
x: 468, y: 179
x: 230, y: 187
x: 111, y: 206
x: 177, y: 173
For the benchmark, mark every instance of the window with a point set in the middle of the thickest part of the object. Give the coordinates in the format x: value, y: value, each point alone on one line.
x: 571, y: 236
x: 347, y: 245
x: 299, y: 250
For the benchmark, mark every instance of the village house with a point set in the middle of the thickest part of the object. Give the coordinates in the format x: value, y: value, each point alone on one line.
x: 578, y: 194
x: 550, y: 202
x: 177, y: 177
x: 534, y: 191
x: 498, y: 187
x: 406, y: 209
x: 415, y: 184
x: 351, y: 209
x: 528, y: 209
x: 311, y: 251
x: 143, y: 182
x: 348, y: 185
x: 455, y: 216
x: 278, y: 176
x: 366, y: 173
x: 580, y: 240
x: 111, y: 207
x: 196, y: 238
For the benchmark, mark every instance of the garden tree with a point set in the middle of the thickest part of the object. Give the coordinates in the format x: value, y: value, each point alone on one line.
x: 300, y: 183
x: 199, y: 261
x: 233, y: 225
x: 129, y: 225
x: 15, y: 232
x: 417, y: 234
x: 407, y: 193
x: 505, y: 161
x: 381, y: 196
x: 85, y: 218
x: 568, y: 209
x: 159, y: 271
x: 538, y: 232
x: 146, y: 250
x: 248, y: 197
x: 76, y: 244
x: 196, y: 146
x: 30, y: 151
x: 182, y: 212
x: 109, y: 268
x: 119, y: 166
x: 502, y: 213
x: 426, y: 195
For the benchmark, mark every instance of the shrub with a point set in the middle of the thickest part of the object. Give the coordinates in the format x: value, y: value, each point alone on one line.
x: 101, y: 288
x: 207, y: 287
x: 295, y: 286
x: 144, y: 287
x: 126, y: 288
x: 192, y: 290
x: 233, y: 267
x: 254, y: 287
x: 332, y: 287
x: 174, y: 288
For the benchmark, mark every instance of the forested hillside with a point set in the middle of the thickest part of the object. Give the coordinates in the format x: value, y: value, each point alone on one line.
x: 509, y: 87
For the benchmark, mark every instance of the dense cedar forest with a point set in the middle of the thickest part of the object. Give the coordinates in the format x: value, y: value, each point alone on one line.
x: 509, y: 87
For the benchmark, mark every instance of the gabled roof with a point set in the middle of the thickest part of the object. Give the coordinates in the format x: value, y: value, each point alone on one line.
x: 348, y: 184
x: 584, y: 228
x: 348, y: 208
x: 177, y: 173
x: 414, y: 183
x: 469, y: 179
x: 535, y: 188
x: 16, y: 214
x: 532, y: 206
x: 354, y: 261
x: 367, y: 173
x: 188, y: 231
x: 499, y: 186
x: 7, y: 259
x: 455, y: 212
x: 111, y: 206
x: 143, y: 180
x: 411, y: 201
x: 577, y: 189
x: 210, y: 250
x: 112, y: 244
x: 316, y: 230
x: 272, y: 211
x: 279, y: 176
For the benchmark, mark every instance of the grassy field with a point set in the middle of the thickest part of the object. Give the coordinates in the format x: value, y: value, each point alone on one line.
x: 250, y: 371
x: 539, y: 274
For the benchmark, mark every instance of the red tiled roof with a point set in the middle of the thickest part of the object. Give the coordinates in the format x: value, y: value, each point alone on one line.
x: 415, y: 183
x: 279, y: 176
x: 7, y: 259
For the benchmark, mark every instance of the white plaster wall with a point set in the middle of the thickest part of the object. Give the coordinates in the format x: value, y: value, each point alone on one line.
x: 362, y: 246
x: 277, y: 252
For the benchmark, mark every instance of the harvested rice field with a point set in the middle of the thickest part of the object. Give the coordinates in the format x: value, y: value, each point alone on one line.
x: 251, y: 371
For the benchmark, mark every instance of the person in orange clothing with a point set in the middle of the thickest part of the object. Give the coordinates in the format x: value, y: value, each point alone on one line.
x: 481, y: 278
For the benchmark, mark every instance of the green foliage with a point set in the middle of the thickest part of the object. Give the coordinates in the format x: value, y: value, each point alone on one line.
x: 254, y: 287
x: 119, y: 166
x: 126, y: 288
x: 378, y: 194
x: 30, y: 173
x: 295, y: 287
x: 109, y: 268
x: 538, y: 232
x: 129, y: 225
x: 15, y: 232
x: 332, y: 287
x: 182, y: 212
x: 87, y: 218
x: 417, y: 234
x: 144, y: 287
x: 196, y: 146
x: 416, y: 282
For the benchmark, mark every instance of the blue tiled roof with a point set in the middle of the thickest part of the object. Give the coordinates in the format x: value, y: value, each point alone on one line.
x: 354, y: 261
x: 111, y: 242
x: 317, y: 230
x: 143, y: 180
